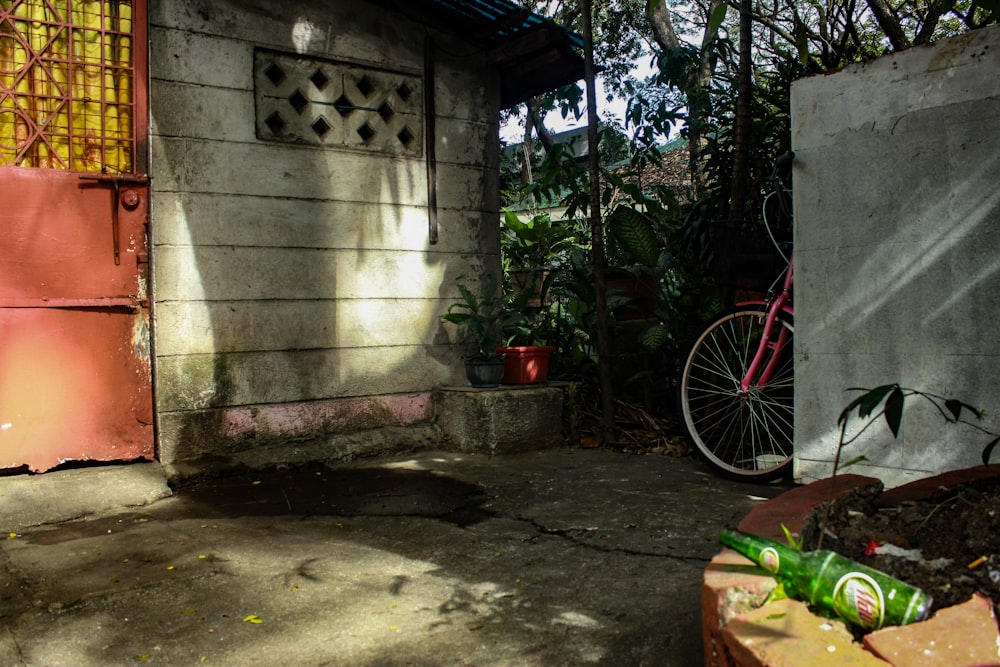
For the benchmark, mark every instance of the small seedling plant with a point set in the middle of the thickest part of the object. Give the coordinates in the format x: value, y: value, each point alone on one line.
x: 887, y: 401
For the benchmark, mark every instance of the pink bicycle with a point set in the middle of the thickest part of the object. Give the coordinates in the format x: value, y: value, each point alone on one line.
x: 737, y: 385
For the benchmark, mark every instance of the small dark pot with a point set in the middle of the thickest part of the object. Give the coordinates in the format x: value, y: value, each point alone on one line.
x: 484, y: 373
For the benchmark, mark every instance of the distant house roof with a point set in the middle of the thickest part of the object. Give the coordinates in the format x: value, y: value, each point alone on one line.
x: 671, y: 170
x: 533, y: 54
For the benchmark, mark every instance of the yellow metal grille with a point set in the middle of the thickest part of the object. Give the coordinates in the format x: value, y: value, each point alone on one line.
x: 66, y: 84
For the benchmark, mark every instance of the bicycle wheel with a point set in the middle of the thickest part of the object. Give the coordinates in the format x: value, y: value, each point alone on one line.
x: 741, y: 434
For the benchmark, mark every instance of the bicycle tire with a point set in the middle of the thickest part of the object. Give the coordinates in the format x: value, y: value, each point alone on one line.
x: 741, y: 435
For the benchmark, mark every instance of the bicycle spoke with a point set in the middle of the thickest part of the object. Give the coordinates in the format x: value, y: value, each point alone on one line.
x: 735, y: 429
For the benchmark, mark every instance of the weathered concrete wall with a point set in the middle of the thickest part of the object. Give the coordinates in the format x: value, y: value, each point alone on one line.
x: 897, y: 271
x: 295, y: 289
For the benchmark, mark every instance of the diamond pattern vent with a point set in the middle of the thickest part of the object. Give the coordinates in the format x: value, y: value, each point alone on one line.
x: 320, y: 102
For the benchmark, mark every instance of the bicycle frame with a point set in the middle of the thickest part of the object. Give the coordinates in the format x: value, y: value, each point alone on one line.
x: 766, y: 360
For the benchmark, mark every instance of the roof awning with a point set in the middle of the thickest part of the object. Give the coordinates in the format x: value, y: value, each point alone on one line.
x: 533, y: 54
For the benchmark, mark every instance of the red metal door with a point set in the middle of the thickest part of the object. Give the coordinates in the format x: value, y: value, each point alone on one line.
x: 74, y: 319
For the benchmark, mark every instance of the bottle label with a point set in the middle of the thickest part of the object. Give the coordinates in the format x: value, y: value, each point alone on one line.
x: 858, y: 599
x: 770, y: 560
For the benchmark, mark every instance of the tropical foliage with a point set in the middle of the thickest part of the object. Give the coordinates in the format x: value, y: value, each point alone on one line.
x: 664, y: 230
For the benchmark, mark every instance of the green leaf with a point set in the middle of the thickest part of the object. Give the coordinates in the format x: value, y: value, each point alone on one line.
x: 856, y: 459
x: 988, y: 450
x: 894, y: 410
x: 718, y: 16
x: 873, y: 398
x: 778, y: 593
x: 654, y: 337
x: 867, y: 402
x: 511, y: 221
x: 955, y: 408
x: 468, y: 297
x: 792, y: 542
x: 634, y: 233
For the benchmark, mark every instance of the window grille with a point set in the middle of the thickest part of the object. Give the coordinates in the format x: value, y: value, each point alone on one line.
x: 66, y: 84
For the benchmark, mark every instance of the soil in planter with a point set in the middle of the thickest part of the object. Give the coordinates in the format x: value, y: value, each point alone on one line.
x: 951, y: 529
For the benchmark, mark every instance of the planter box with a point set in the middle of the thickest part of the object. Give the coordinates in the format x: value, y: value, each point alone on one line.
x: 740, y: 630
x: 531, y: 279
x: 640, y: 288
x: 525, y: 365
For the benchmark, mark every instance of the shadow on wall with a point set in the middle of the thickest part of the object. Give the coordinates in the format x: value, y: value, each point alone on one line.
x: 898, y: 281
x: 294, y: 274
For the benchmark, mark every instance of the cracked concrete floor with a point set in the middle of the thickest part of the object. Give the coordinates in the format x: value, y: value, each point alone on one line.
x: 558, y: 557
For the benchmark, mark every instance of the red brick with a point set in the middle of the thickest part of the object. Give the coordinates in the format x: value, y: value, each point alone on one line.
x: 958, y: 636
x: 732, y: 584
x: 928, y: 486
x: 784, y: 633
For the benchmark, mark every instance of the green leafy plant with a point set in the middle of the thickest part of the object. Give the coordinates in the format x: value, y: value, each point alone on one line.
x: 483, y: 318
x: 887, y: 401
x: 633, y: 236
x: 537, y: 243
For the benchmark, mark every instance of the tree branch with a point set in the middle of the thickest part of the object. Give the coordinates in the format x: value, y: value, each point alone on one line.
x: 889, y: 24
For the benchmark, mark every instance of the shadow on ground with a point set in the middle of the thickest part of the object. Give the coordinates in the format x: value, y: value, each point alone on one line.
x: 564, y: 557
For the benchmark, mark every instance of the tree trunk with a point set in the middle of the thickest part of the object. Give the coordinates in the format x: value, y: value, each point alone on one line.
x: 533, y: 122
x: 741, y: 141
x: 527, y: 151
x: 695, y: 86
x: 598, y: 259
x: 536, y: 120
x: 889, y: 24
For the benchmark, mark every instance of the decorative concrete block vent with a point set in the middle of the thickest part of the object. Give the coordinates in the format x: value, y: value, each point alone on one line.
x: 319, y: 102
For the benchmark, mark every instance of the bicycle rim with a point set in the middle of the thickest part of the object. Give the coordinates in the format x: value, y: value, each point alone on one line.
x: 743, y: 435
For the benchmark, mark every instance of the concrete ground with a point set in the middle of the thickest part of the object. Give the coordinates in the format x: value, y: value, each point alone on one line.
x: 559, y: 557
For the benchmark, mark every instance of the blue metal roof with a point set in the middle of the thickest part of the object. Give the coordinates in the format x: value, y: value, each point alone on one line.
x: 508, y: 18
x: 532, y: 53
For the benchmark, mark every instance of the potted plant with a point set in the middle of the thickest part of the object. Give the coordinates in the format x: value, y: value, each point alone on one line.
x: 526, y: 356
x: 482, y: 320
x: 639, y: 259
x: 529, y: 251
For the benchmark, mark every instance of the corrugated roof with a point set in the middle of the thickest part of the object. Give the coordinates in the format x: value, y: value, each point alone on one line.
x: 508, y: 18
x: 533, y: 54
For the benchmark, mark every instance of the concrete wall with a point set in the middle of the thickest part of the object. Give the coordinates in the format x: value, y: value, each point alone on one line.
x: 897, y: 269
x: 295, y: 289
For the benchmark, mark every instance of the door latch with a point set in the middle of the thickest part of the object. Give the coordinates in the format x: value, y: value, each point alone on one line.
x: 129, y: 198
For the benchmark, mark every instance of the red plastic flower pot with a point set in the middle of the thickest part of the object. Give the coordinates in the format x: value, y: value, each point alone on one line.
x: 525, y: 364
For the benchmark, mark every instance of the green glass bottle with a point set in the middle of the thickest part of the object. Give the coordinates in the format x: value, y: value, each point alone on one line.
x: 860, y: 595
